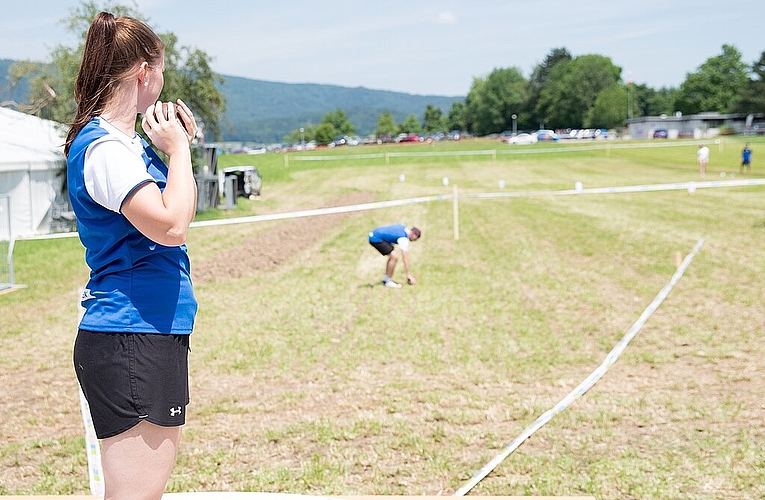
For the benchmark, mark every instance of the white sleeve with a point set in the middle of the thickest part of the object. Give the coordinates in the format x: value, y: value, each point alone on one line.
x: 403, y: 243
x: 112, y: 172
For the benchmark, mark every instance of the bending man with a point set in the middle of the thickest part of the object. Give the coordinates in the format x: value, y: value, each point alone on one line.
x: 384, y: 238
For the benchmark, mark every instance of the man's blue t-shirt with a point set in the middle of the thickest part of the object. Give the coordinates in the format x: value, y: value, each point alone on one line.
x: 390, y: 234
x: 746, y: 155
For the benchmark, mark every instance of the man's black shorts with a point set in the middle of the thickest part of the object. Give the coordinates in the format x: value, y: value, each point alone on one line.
x: 129, y: 377
x: 382, y: 246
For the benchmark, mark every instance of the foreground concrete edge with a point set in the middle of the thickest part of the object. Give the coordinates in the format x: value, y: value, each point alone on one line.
x: 221, y: 495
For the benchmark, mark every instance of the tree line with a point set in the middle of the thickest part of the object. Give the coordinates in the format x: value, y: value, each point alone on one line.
x: 586, y: 91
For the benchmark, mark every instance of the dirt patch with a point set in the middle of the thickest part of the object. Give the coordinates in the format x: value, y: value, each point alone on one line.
x: 274, y: 247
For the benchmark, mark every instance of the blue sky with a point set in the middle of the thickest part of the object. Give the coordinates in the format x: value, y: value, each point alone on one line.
x: 420, y: 47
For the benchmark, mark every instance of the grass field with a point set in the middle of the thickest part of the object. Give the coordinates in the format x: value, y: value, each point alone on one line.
x: 309, y: 377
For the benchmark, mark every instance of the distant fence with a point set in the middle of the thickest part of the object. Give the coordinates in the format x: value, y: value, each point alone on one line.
x: 606, y: 146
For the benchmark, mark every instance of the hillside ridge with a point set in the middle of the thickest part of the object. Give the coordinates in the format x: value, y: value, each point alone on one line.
x: 261, y: 111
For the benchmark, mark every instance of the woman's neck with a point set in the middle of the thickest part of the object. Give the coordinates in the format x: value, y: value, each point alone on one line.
x: 121, y: 112
x: 121, y: 122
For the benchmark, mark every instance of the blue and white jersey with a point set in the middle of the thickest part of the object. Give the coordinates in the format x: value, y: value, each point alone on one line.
x: 136, y: 285
x: 746, y: 155
x: 393, y: 234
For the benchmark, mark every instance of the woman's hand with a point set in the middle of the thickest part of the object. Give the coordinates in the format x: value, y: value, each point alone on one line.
x: 163, y: 126
x: 188, y: 122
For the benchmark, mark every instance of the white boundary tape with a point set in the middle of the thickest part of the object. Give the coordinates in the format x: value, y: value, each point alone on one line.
x: 322, y: 211
x: 440, y: 197
x: 640, y: 188
x: 588, y: 382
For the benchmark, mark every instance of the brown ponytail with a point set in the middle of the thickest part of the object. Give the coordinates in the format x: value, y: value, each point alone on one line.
x: 113, y: 48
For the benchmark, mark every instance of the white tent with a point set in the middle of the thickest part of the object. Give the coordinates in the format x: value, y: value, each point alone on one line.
x: 31, y: 172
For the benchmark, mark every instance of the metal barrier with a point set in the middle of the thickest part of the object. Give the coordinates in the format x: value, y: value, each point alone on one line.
x: 6, y: 245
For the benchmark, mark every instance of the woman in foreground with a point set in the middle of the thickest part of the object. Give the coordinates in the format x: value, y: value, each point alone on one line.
x: 133, y: 214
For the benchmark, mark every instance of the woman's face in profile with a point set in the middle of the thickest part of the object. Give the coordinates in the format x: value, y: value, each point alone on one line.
x: 155, y: 77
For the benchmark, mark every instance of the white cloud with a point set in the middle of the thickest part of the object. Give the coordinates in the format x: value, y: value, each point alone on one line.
x: 446, y: 17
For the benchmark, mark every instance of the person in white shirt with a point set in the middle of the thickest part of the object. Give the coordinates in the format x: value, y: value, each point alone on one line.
x: 702, y: 155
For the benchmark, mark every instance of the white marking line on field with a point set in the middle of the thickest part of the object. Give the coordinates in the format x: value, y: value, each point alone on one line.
x: 588, y: 382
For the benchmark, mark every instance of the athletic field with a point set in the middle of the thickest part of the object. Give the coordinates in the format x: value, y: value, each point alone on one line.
x: 309, y: 377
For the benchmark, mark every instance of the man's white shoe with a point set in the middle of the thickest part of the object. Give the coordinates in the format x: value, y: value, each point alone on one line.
x: 391, y: 284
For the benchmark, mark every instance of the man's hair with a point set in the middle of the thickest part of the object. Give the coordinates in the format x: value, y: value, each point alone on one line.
x: 416, y: 232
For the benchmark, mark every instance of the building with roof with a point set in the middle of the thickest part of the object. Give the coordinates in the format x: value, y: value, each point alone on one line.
x: 698, y: 126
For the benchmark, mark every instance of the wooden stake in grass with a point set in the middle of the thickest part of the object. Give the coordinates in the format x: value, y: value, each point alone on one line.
x: 678, y: 258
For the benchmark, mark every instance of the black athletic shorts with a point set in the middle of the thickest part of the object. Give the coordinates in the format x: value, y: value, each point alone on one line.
x: 129, y: 377
x: 382, y: 246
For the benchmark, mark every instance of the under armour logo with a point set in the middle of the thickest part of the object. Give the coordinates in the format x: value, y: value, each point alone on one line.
x: 175, y: 411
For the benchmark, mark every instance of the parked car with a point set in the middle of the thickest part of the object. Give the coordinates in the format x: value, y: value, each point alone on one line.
x: 340, y: 140
x: 584, y: 133
x: 248, y: 180
x: 601, y: 133
x: 546, y: 135
x: 371, y: 139
x: 408, y: 138
x: 523, y: 138
x: 660, y: 134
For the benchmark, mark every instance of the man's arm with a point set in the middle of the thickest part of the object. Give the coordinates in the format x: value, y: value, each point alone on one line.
x: 405, y: 258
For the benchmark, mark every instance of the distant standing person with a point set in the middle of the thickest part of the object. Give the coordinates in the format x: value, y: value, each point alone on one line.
x: 384, y: 238
x: 746, y: 159
x: 702, y: 154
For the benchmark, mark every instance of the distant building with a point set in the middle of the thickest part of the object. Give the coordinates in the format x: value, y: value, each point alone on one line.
x: 699, y: 126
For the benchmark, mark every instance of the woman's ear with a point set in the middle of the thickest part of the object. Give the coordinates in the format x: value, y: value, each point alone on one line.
x: 143, y: 74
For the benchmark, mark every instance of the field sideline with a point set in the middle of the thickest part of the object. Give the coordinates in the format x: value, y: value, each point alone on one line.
x: 308, y: 377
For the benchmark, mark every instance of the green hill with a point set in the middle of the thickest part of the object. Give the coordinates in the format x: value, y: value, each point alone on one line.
x: 264, y: 112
